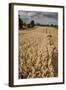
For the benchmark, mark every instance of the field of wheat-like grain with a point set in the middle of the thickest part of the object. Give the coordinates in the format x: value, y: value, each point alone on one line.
x: 38, y: 52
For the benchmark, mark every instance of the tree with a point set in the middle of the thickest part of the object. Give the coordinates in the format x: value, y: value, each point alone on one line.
x: 24, y: 24
x: 20, y: 23
x: 38, y: 24
x: 52, y: 25
x: 32, y: 23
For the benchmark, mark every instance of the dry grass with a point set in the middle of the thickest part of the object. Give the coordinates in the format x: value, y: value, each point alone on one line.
x: 38, y: 52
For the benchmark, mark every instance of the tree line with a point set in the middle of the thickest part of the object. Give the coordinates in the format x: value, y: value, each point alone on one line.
x: 23, y: 25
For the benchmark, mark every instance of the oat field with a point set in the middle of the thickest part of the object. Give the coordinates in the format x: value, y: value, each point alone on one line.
x: 38, y: 52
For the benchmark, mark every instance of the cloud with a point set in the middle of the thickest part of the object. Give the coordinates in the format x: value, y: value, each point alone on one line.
x: 41, y: 17
x: 51, y: 15
x: 26, y: 13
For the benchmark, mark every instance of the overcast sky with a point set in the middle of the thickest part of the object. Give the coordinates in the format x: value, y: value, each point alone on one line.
x: 39, y: 17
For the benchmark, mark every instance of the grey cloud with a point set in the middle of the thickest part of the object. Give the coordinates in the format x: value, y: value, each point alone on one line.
x: 41, y: 17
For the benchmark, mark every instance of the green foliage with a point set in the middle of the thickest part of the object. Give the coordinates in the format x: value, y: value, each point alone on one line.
x: 20, y: 23
x: 32, y: 23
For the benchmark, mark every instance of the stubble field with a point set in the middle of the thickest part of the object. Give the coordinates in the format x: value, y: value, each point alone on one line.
x: 38, y: 52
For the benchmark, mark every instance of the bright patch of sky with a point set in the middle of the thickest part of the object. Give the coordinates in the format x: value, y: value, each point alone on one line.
x: 39, y: 17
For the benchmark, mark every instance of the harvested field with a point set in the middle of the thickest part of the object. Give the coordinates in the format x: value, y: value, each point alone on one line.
x: 38, y: 52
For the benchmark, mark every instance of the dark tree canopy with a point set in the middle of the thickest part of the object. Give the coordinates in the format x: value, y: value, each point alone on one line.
x: 32, y: 23
x: 20, y: 23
